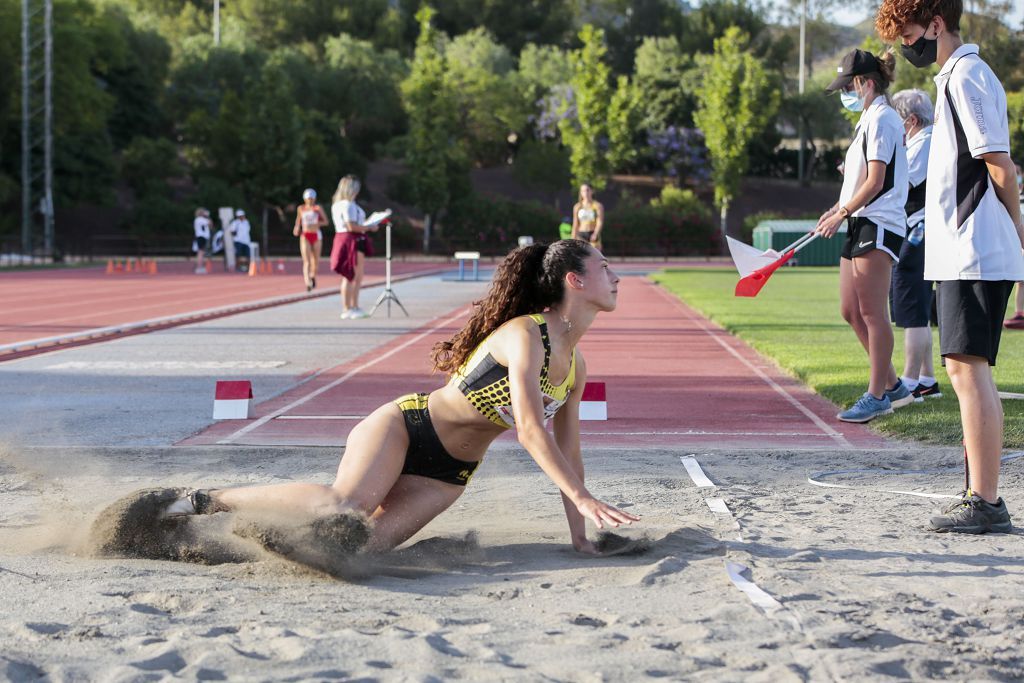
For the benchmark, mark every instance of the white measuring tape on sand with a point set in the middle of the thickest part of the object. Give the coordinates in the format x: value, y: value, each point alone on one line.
x: 700, y: 480
x: 818, y: 476
x: 771, y: 607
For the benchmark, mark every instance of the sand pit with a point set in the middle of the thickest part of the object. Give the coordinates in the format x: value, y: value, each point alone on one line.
x: 493, y: 590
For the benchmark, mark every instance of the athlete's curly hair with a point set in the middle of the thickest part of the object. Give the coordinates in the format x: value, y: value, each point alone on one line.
x: 893, y: 15
x: 531, y: 279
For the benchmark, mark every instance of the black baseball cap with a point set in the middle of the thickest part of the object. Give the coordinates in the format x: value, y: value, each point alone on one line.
x: 855, y: 63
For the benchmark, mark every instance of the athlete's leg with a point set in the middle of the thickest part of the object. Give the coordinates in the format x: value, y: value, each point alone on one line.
x: 304, y: 251
x: 373, y: 460
x: 871, y: 277
x: 412, y: 502
x: 917, y: 347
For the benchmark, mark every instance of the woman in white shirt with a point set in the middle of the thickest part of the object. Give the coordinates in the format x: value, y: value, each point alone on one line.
x: 351, y: 245
x: 308, y: 219
x: 872, y: 203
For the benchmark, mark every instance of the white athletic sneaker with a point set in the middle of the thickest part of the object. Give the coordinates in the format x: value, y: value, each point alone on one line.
x: 345, y: 315
x: 357, y: 314
x: 200, y: 271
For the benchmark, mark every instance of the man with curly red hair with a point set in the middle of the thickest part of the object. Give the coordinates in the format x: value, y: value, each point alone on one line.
x: 975, y: 237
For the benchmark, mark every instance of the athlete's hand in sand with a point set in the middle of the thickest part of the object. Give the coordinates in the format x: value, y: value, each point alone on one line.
x: 603, y: 514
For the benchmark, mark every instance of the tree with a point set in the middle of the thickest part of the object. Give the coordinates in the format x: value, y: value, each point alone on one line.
x: 486, y: 99
x: 587, y: 131
x: 431, y: 123
x: 660, y: 69
x: 623, y: 125
x: 736, y: 104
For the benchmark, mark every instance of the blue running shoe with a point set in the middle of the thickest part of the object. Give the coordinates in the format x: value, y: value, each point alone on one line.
x: 866, y: 408
x: 899, y: 395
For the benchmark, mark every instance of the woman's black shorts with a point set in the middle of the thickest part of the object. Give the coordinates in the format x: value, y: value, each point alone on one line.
x: 971, y: 317
x: 863, y: 236
x: 427, y: 456
x: 200, y: 243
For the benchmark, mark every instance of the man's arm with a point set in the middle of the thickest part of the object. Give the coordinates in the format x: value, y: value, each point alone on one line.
x: 1004, y: 179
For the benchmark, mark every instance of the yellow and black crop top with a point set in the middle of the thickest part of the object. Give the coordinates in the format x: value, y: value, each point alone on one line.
x: 484, y: 382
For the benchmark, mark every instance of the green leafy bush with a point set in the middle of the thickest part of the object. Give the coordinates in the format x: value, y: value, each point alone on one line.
x: 493, y: 225
x: 676, y: 224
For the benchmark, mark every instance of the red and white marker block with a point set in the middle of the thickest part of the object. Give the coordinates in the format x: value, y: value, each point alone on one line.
x: 594, y: 404
x: 232, y: 400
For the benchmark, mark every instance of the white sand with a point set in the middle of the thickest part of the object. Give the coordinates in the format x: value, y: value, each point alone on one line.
x: 866, y: 593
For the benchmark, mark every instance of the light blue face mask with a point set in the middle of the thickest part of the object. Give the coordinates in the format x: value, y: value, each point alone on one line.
x: 852, y: 101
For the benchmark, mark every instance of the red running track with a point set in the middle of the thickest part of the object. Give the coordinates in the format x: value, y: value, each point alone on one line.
x: 79, y: 305
x: 673, y: 380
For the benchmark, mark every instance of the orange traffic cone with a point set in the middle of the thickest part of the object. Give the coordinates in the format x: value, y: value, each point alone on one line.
x: 118, y: 267
x: 252, y: 267
x: 152, y: 267
x: 110, y: 266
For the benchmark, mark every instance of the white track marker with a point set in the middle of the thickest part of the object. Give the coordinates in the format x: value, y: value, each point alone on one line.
x: 819, y: 423
x: 256, y: 424
x: 1010, y: 395
x: 771, y: 607
x: 700, y: 480
x: 722, y: 512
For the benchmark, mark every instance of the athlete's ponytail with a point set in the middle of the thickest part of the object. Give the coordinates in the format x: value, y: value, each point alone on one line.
x: 531, y: 279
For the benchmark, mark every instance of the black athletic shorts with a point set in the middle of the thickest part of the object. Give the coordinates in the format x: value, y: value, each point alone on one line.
x: 971, y: 316
x: 863, y: 236
x: 200, y: 243
x: 910, y: 295
x: 427, y: 456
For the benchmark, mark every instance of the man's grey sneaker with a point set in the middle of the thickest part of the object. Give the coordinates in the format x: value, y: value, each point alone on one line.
x: 931, y: 391
x: 974, y: 515
x: 866, y: 408
x: 899, y: 395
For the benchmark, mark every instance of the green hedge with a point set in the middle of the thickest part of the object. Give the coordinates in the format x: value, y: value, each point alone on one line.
x: 676, y: 224
x: 492, y: 225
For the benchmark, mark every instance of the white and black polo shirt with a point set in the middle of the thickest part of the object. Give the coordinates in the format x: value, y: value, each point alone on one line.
x: 970, y: 234
x: 879, y: 137
x: 917, y: 174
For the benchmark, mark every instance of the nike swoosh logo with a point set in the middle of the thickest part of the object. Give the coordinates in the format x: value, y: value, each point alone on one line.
x: 864, y: 244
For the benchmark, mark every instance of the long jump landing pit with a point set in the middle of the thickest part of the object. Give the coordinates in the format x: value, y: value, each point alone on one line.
x: 673, y: 379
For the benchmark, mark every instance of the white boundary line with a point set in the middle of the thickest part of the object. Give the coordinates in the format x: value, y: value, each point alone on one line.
x: 700, y: 480
x: 320, y: 417
x: 821, y: 424
x: 341, y: 380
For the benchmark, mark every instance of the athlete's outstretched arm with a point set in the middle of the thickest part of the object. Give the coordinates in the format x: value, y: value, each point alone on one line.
x: 525, y: 353
x: 567, y: 437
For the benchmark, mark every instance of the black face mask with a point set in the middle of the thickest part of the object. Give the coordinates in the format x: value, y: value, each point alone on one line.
x: 923, y: 52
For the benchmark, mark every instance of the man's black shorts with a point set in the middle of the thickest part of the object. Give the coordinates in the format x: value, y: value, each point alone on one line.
x: 200, y: 243
x: 971, y: 316
x: 910, y: 296
x: 863, y: 236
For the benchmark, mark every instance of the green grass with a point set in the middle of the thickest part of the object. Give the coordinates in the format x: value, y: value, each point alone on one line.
x: 795, y: 321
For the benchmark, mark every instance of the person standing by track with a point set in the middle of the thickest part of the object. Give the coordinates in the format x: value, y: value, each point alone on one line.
x: 872, y: 202
x: 309, y: 218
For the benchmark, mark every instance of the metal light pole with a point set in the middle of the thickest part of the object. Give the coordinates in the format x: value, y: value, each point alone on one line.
x: 216, y: 23
x: 36, y: 121
x: 803, y: 38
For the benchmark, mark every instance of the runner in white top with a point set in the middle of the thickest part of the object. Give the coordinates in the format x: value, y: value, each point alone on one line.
x: 309, y: 218
x: 201, y: 227
x: 975, y: 236
x: 872, y: 202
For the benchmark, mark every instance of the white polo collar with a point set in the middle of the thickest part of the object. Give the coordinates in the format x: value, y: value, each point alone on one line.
x: 962, y: 51
x: 927, y: 130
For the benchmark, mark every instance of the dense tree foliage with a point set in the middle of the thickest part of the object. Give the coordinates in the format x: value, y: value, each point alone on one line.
x: 154, y: 118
